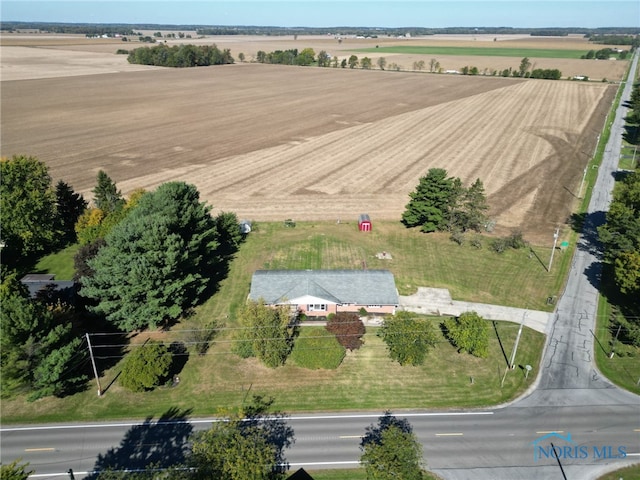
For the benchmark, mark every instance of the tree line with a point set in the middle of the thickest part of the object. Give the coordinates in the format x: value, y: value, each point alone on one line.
x: 181, y: 56
x: 620, y: 236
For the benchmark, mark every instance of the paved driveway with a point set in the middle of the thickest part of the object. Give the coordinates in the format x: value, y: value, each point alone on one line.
x: 437, y: 301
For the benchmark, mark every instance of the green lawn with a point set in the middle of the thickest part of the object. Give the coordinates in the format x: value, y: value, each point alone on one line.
x: 479, y: 51
x: 367, y: 378
x: 60, y: 263
x: 351, y: 474
x: 628, y: 473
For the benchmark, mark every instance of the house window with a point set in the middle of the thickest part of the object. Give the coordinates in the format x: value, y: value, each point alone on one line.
x: 374, y: 306
x: 318, y: 308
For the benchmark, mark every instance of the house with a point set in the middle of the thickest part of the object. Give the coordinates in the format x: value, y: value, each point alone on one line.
x: 364, y: 223
x: 44, y: 284
x: 317, y: 293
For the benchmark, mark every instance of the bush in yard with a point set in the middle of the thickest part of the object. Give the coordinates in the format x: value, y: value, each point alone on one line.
x: 146, y: 367
x: 469, y: 332
x: 348, y: 329
x: 315, y: 349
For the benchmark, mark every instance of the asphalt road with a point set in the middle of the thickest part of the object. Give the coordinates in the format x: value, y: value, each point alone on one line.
x: 595, y: 425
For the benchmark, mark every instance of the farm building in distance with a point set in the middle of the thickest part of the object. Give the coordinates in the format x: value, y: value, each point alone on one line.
x: 364, y: 223
x: 317, y: 293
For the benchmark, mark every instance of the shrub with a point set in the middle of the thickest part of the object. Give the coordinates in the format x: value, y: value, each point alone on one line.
x: 122, y: 51
x: 363, y: 312
x: 498, y: 245
x: 348, y: 329
x: 476, y: 242
x: 515, y: 240
x: 146, y: 367
x: 457, y: 236
x: 315, y: 349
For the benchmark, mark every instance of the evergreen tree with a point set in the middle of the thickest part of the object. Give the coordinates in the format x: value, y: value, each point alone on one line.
x: 69, y: 205
x: 106, y: 195
x: 157, y: 262
x: 430, y: 204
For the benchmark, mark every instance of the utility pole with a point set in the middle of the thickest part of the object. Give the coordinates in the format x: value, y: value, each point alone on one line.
x: 555, y: 241
x: 515, y: 347
x: 584, y: 175
x: 93, y: 363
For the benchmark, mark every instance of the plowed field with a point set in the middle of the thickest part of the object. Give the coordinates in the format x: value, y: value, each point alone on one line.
x: 275, y: 142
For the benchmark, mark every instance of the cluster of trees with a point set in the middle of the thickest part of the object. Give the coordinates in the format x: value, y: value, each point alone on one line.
x: 41, y: 351
x: 633, y: 40
x: 409, y: 338
x: 269, y: 333
x: 632, y: 127
x: 620, y: 236
x: 442, y: 203
x: 605, y: 54
x: 291, y: 57
x: 143, y: 262
x: 181, y: 56
x: 159, y: 260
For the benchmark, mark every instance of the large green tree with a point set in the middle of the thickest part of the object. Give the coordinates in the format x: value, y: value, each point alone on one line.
x: 391, y: 450
x: 249, y: 446
x: 157, y: 262
x: 69, y: 206
x: 38, y: 350
x: 408, y: 337
x: 27, y: 209
x: 442, y: 203
x: 106, y: 195
x: 470, y: 333
x: 430, y: 204
x: 267, y: 332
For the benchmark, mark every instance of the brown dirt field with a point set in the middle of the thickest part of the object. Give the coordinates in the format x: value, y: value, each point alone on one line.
x: 273, y: 142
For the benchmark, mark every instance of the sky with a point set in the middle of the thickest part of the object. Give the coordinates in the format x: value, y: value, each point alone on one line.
x: 321, y: 13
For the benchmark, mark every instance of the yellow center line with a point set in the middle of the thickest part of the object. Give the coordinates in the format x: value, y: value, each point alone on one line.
x: 551, y: 431
x: 636, y: 429
x: 449, y: 434
x: 39, y: 449
x: 351, y: 436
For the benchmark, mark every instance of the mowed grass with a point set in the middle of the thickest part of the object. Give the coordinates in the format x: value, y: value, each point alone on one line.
x: 478, y: 51
x: 621, y: 369
x: 351, y: 474
x: 367, y: 378
x: 60, y: 264
x: 628, y: 473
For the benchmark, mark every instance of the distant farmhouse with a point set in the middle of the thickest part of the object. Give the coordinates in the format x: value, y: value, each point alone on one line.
x: 317, y: 293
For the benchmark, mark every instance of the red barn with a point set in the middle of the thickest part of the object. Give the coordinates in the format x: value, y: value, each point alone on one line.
x: 364, y: 223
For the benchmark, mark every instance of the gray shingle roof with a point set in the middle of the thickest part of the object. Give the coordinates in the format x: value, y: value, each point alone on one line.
x: 362, y: 287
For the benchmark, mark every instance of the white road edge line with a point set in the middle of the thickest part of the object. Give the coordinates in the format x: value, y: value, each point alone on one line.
x: 212, y: 420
